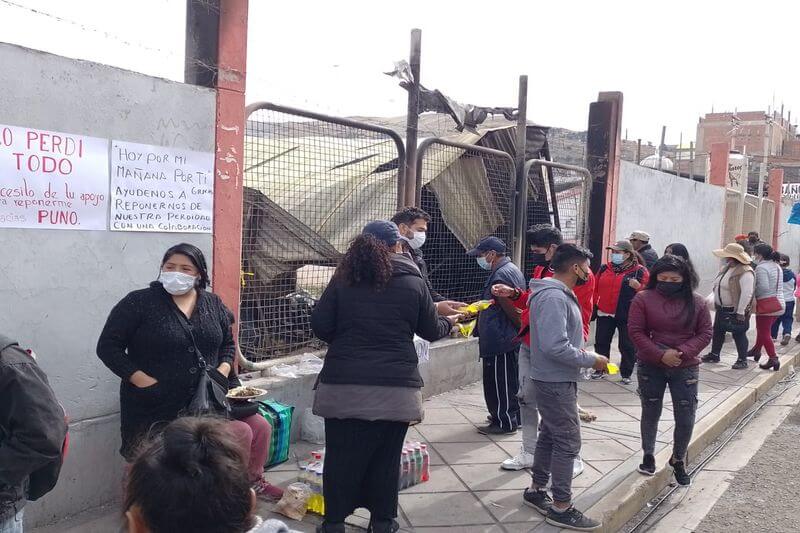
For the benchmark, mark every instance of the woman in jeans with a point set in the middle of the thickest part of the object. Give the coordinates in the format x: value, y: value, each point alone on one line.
x: 616, y: 285
x: 369, y: 388
x: 733, y: 300
x: 789, y: 288
x: 769, y: 287
x: 669, y: 325
x: 146, y: 343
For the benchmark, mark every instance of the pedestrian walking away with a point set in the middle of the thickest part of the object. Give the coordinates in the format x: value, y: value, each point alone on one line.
x: 670, y: 325
x: 160, y: 340
x: 641, y: 243
x: 32, y: 434
x: 732, y: 295
x: 789, y: 287
x: 369, y: 388
x: 543, y: 240
x: 557, y: 357
x: 770, y: 303
x: 498, y: 344
x: 412, y: 222
x: 618, y: 281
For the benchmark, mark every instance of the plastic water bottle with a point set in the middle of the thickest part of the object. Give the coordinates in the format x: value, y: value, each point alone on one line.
x: 321, y: 495
x: 406, y: 470
x: 426, y: 462
x: 417, y: 463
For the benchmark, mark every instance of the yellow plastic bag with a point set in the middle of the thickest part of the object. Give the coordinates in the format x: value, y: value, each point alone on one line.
x: 613, y: 369
x: 476, y: 307
x: 467, y: 328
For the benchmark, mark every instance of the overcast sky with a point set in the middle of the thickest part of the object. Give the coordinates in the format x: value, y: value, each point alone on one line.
x: 672, y: 60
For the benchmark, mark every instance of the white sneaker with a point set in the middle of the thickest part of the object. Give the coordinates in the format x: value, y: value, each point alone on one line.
x: 521, y: 461
x: 577, y: 467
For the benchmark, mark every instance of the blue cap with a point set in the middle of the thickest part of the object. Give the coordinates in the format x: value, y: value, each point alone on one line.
x: 383, y: 230
x: 488, y: 244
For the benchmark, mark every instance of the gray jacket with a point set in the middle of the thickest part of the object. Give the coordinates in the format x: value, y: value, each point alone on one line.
x: 557, y: 353
x: 769, y: 282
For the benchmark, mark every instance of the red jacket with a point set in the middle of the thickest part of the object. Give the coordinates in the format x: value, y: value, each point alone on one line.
x: 613, y: 293
x: 656, y: 324
x: 584, y: 293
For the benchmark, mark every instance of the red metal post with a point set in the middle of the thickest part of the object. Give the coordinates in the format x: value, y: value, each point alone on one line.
x: 774, y: 193
x: 718, y: 166
x: 229, y: 160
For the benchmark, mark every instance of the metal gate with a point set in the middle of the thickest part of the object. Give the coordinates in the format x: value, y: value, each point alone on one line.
x: 469, y: 192
x: 311, y: 182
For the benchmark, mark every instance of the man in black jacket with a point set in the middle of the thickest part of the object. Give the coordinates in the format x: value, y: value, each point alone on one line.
x: 413, y: 225
x: 641, y: 243
x: 32, y: 429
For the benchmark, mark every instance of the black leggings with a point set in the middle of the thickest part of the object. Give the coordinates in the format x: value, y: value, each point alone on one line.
x: 362, y: 467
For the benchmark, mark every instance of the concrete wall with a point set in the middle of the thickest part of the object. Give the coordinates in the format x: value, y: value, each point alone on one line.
x: 56, y: 287
x: 673, y: 209
x: 453, y: 363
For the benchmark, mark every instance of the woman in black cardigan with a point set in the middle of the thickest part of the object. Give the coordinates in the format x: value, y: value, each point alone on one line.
x: 145, y: 344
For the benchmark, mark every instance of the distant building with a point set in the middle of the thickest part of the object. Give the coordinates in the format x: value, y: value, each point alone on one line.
x: 768, y: 141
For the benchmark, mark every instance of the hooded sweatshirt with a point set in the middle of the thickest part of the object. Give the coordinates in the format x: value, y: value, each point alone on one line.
x: 557, y: 353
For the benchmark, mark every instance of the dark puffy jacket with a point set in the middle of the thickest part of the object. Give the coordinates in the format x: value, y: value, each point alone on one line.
x: 32, y: 425
x: 371, y: 333
x: 613, y: 292
x: 497, y: 334
x: 419, y: 260
x: 649, y: 255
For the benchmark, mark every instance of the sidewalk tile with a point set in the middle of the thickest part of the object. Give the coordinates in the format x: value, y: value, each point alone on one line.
x: 604, y: 450
x: 451, y: 433
x: 475, y: 415
x: 443, y: 479
x: 513, y: 437
x: 586, y: 399
x: 492, y: 477
x: 611, y: 414
x: 512, y: 448
x: 446, y: 415
x: 605, y: 466
x: 619, y: 398
x: 444, y: 509
x: 466, y: 529
x: 507, y: 507
x: 589, y: 477
x: 459, y: 453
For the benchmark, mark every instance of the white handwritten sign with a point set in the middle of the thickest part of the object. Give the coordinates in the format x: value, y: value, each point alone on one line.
x: 161, y: 189
x: 791, y: 190
x: 51, y: 180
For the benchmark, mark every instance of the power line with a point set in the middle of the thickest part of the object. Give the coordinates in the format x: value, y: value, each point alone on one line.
x: 84, y: 27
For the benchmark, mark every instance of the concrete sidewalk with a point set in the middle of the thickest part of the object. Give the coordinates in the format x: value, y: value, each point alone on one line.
x: 468, y: 492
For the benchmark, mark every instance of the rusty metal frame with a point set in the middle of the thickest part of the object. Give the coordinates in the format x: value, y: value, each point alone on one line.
x: 587, y: 188
x: 395, y: 137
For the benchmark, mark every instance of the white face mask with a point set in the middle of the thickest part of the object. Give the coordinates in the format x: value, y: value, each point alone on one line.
x: 417, y: 240
x: 177, y: 283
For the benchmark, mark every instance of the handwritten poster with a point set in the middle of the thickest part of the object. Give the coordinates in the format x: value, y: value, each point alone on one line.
x: 51, y: 180
x: 161, y: 189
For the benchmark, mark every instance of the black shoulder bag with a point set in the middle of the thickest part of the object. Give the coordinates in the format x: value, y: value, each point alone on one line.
x: 210, y: 397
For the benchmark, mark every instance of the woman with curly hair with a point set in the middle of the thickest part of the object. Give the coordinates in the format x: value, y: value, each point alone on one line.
x: 369, y: 388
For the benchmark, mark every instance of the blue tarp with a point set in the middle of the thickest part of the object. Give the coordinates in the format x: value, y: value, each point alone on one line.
x: 794, y: 218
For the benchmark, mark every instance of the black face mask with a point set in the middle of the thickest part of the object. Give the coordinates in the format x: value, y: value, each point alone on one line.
x: 539, y: 259
x: 669, y: 288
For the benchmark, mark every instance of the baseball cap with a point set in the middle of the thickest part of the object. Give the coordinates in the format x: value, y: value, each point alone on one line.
x: 621, y: 246
x: 639, y: 236
x: 383, y: 230
x: 488, y: 244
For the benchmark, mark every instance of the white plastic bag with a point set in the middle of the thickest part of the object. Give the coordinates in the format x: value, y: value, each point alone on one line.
x: 423, y: 348
x: 313, y: 428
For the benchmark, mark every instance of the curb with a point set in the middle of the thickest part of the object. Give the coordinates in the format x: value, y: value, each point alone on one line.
x: 632, y: 493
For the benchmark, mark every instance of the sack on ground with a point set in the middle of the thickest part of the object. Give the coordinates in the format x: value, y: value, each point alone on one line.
x: 294, y: 501
x: 313, y: 428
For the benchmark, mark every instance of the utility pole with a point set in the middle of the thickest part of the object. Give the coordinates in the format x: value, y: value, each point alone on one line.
x: 412, y: 118
x: 638, y: 151
x: 691, y: 160
x: 520, y: 213
x: 661, y: 146
x: 678, y: 158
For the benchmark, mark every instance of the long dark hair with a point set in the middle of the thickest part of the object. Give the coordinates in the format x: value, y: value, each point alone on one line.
x: 367, y: 262
x: 681, y: 251
x: 673, y: 263
x: 192, y: 477
x: 197, y: 258
x: 765, y: 251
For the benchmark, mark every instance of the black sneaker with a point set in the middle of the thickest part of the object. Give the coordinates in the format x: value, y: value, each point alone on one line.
x: 740, y: 364
x: 681, y: 476
x: 648, y: 466
x: 598, y: 374
x: 383, y: 526
x: 710, y: 358
x: 494, y: 429
x: 538, y: 499
x: 572, y: 519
